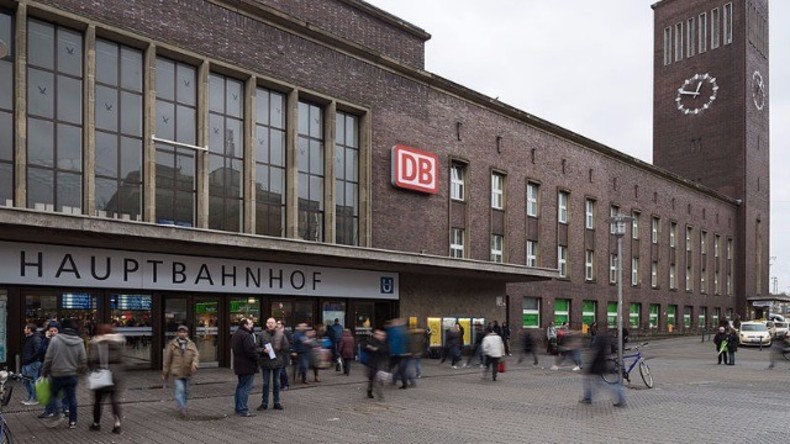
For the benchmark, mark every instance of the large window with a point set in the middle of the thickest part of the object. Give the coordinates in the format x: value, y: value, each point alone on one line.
x: 589, y: 309
x: 652, y: 315
x: 7, y: 93
x: 532, y: 253
x: 119, y: 131
x: 176, y: 120
x: 497, y: 191
x: 672, y: 315
x: 311, y: 172
x: 562, y: 260
x: 611, y: 314
x: 562, y: 311
x: 635, y: 315
x: 530, y: 313
x: 533, y: 190
x: 497, y: 242
x: 347, y: 179
x: 226, y: 153
x: 589, y: 214
x: 270, y: 163
x: 457, y: 243
x: 688, y: 238
x: 458, y: 181
x: 54, y: 118
x: 562, y: 207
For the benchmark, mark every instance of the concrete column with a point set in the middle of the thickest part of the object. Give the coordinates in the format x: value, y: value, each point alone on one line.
x: 20, y: 108
x: 330, y: 216
x: 149, y: 129
x: 202, y: 140
x: 291, y: 168
x: 89, y: 124
x: 250, y: 117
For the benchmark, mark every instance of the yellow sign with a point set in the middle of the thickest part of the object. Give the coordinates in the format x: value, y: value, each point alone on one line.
x: 412, y: 321
x: 466, y: 323
x: 435, y: 324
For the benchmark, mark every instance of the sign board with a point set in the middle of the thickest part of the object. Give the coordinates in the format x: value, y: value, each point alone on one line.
x: 415, y: 170
x: 762, y: 303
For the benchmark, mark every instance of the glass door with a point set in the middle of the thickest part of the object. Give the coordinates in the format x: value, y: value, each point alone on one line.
x: 206, y: 316
x: 175, y: 315
x: 130, y: 315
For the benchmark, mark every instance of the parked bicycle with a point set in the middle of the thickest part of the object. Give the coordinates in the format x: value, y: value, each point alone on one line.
x: 637, y: 360
x: 6, y: 389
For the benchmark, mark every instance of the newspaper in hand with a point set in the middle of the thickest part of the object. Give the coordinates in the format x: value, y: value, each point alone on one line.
x: 270, y: 350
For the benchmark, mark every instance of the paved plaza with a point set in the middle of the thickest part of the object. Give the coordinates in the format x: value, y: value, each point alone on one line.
x: 694, y: 400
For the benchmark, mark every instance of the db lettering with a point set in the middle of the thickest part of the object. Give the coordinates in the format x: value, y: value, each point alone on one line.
x: 414, y: 169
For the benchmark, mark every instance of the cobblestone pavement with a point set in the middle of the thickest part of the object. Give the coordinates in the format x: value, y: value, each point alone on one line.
x: 694, y: 400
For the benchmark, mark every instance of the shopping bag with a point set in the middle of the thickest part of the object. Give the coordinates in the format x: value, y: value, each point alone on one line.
x: 501, y: 367
x: 43, y: 390
x: 99, y: 379
x: 384, y: 377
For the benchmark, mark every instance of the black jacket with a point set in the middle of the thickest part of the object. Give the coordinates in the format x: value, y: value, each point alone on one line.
x: 245, y: 356
x: 31, y: 349
x: 601, y: 350
x: 718, y: 339
x: 279, y: 343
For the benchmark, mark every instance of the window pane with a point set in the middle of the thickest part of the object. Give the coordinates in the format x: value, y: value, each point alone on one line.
x: 69, y: 99
x: 216, y: 92
x: 186, y: 125
x: 40, y: 188
x: 165, y: 120
x: 40, y: 142
x: 277, y: 117
x: 277, y: 149
x: 6, y: 88
x: 6, y: 184
x: 69, y: 52
x: 41, y: 44
x: 234, y: 100
x: 106, y: 195
x: 106, y: 62
x: 69, y: 142
x: 131, y: 69
x: 132, y: 114
x: 106, y: 108
x: 69, y: 192
x: 131, y: 159
x: 106, y: 154
x: 316, y: 157
x: 6, y: 137
x: 185, y: 87
x: 41, y: 93
x: 165, y: 79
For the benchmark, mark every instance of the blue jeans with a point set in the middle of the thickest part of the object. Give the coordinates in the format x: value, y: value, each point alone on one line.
x: 243, y: 389
x: 32, y: 371
x: 274, y: 375
x: 304, y: 364
x: 52, y: 406
x: 593, y: 382
x: 69, y: 385
x: 181, y: 392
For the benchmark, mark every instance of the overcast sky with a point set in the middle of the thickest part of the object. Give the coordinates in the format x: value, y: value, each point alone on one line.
x: 587, y: 66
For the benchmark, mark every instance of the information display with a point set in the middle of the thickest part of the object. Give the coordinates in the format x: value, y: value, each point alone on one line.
x: 132, y: 302
x: 76, y: 301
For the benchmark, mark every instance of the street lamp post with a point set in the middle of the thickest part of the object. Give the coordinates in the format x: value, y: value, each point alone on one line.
x: 618, y: 229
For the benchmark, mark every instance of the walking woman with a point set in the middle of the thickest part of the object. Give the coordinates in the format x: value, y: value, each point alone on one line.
x: 106, y: 352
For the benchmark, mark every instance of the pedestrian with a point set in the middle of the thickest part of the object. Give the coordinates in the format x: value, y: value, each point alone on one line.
x: 493, y: 349
x: 31, y: 365
x: 732, y: 345
x: 377, y: 360
x: 52, y: 329
x: 454, y: 340
x: 397, y: 344
x: 336, y: 335
x: 181, y: 362
x: 346, y: 350
x: 720, y: 341
x: 528, y: 347
x: 477, y: 349
x: 272, y: 345
x: 287, y: 355
x: 597, y: 367
x: 65, y: 359
x: 302, y: 350
x: 106, y: 352
x: 777, y: 348
x: 551, y: 338
x: 245, y: 365
x: 506, y: 337
x: 593, y: 330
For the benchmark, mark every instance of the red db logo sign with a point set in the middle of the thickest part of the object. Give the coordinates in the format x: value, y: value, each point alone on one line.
x: 414, y: 169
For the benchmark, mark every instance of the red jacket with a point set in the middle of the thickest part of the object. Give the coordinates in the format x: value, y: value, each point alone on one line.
x: 346, y: 347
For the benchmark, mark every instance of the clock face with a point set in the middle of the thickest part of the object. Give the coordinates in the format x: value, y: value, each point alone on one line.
x: 696, y: 94
x: 758, y: 90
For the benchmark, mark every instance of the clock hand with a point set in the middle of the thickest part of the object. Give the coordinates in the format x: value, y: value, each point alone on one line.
x: 699, y: 85
x: 688, y: 93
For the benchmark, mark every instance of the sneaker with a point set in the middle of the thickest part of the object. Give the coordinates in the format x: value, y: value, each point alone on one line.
x: 72, y: 425
x: 46, y: 415
x: 576, y: 369
x: 465, y: 366
x: 455, y: 367
x: 262, y: 407
x: 95, y: 427
x: 30, y: 402
x: 554, y: 367
x: 117, y: 430
x: 619, y: 404
x: 278, y: 406
x: 245, y: 415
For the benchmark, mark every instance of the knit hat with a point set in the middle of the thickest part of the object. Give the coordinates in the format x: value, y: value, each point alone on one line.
x: 183, y: 328
x: 54, y: 324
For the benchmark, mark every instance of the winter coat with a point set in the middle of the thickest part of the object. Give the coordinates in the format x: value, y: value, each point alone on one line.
x: 378, y: 355
x: 346, y: 348
x: 106, y: 351
x: 245, y: 356
x: 65, y: 355
x: 718, y: 339
x: 31, y: 348
x: 601, y: 348
x: 179, y: 363
x: 732, y: 342
x: 493, y: 346
x: 279, y: 343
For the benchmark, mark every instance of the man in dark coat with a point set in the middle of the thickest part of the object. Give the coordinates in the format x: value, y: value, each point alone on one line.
x: 378, y: 357
x: 597, y: 367
x: 31, y: 366
x: 721, y: 350
x: 245, y: 365
x: 274, y: 339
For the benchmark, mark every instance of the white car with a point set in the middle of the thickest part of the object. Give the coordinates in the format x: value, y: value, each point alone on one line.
x: 781, y: 329
x: 754, y: 333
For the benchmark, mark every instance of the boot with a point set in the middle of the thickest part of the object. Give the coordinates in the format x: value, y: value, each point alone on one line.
x: 370, y: 394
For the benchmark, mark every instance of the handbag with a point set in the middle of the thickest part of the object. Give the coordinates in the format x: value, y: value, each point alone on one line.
x: 501, y: 367
x: 383, y: 377
x: 101, y: 377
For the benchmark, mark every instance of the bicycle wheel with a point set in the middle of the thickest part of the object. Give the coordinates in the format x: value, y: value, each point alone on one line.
x: 5, y: 436
x: 644, y: 370
x: 610, y: 373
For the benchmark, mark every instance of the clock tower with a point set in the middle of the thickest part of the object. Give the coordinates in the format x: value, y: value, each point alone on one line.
x: 710, y: 117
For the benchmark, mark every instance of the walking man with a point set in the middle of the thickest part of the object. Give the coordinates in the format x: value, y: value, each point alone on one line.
x: 272, y: 346
x: 181, y: 362
x: 493, y: 349
x: 245, y: 365
x: 65, y: 359
x: 31, y: 366
x: 597, y: 367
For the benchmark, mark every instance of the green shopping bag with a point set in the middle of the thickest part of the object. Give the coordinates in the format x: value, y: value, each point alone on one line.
x: 44, y: 390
